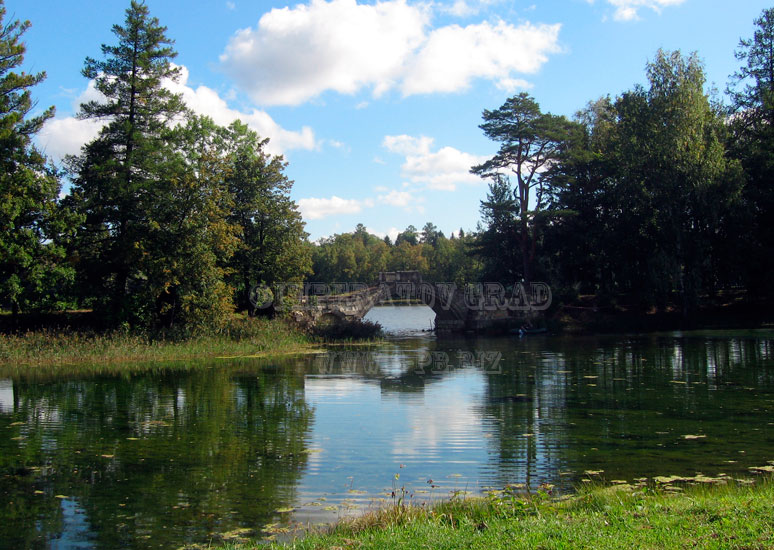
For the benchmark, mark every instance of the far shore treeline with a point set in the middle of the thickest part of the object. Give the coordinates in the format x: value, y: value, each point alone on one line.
x: 660, y: 197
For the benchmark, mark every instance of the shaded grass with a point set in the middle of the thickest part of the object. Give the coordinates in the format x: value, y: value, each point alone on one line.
x: 726, y: 516
x: 91, y: 350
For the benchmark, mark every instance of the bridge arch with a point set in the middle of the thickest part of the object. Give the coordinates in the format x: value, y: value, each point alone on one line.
x: 453, y: 309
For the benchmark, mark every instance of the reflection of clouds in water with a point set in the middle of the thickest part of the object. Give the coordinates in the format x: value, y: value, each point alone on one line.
x: 445, y: 420
x: 6, y: 396
x: 390, y: 364
x: 363, y: 434
x: 397, y: 364
x: 333, y: 387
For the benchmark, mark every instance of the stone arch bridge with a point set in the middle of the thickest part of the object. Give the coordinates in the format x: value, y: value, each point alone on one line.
x: 476, y: 307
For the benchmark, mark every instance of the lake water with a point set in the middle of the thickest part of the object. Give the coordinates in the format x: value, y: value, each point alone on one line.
x: 192, y: 453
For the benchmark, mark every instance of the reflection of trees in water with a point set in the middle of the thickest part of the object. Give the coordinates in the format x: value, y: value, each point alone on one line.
x: 525, y: 410
x: 624, y: 404
x: 154, y: 460
x: 409, y: 367
x: 395, y: 369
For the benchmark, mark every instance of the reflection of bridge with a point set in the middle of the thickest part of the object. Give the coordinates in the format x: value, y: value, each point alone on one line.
x: 474, y: 307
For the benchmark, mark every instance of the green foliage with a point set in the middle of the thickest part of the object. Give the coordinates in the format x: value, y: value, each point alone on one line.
x: 499, y: 242
x: 32, y: 223
x: 602, y: 518
x: 63, y: 351
x: 116, y: 176
x: 530, y: 142
x: 644, y: 193
x: 273, y: 246
x: 752, y: 124
x: 189, y: 237
x: 349, y: 330
x: 178, y: 212
x: 410, y: 236
x: 360, y: 256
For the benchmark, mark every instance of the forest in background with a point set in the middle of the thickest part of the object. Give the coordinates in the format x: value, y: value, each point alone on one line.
x: 661, y: 196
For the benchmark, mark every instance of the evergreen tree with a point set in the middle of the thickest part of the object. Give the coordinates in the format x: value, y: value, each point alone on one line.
x: 32, y: 223
x: 530, y: 141
x: 115, y: 177
x: 752, y: 93
x: 498, y: 244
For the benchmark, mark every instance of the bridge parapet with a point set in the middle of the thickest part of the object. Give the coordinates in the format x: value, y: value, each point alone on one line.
x: 474, y: 307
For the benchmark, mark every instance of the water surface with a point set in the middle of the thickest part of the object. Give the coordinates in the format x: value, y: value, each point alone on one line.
x: 187, y: 454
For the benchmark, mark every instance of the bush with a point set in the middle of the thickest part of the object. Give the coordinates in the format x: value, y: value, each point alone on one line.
x: 345, y: 329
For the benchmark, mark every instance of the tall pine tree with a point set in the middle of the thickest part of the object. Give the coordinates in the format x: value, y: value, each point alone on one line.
x: 116, y: 176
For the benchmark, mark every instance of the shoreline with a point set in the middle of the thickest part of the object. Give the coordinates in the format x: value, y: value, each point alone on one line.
x: 62, y: 340
x: 586, y: 316
x: 671, y: 512
x: 86, y: 350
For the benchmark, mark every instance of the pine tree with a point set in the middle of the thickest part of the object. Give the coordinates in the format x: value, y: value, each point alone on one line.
x: 530, y: 142
x: 31, y: 222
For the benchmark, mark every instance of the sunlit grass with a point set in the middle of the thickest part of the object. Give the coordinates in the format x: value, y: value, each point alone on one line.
x: 627, y: 516
x: 94, y: 351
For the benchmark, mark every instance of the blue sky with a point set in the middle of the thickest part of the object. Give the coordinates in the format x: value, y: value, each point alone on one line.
x: 376, y: 105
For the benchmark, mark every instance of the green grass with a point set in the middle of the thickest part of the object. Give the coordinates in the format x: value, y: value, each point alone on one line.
x: 50, y: 350
x: 717, y: 517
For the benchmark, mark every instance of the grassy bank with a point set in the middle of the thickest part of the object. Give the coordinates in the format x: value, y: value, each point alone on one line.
x: 52, y: 347
x: 732, y: 515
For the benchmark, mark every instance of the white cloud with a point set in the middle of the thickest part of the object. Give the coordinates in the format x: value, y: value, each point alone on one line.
x: 453, y: 56
x: 460, y: 8
x: 405, y: 200
x: 206, y: 101
x: 627, y: 10
x: 392, y: 232
x: 408, y: 145
x: 66, y: 135
x: 442, y: 169
x: 316, y: 208
x: 397, y: 198
x: 340, y: 145
x: 295, y: 54
x: 510, y: 85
